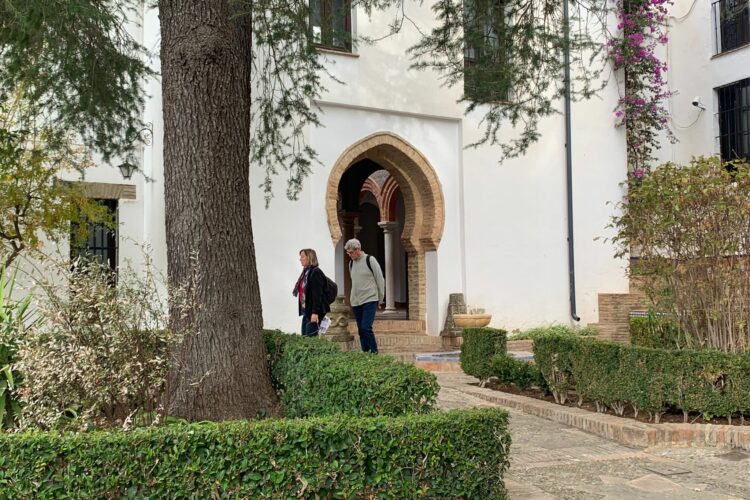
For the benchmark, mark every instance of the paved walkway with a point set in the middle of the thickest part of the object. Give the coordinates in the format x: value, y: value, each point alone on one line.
x: 551, y: 460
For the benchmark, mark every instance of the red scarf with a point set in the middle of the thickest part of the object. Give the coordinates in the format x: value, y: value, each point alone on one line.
x: 299, y: 287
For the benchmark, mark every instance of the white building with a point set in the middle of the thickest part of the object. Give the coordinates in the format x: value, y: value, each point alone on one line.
x: 397, y: 174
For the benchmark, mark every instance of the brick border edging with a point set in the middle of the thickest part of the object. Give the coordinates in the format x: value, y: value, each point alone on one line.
x: 621, y: 430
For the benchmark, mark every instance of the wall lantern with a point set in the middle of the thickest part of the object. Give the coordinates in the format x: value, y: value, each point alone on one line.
x: 127, y: 169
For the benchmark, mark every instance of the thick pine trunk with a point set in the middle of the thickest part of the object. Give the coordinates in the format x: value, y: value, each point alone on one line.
x: 205, y: 61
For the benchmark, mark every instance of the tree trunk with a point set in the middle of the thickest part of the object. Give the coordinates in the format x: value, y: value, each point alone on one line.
x: 205, y: 61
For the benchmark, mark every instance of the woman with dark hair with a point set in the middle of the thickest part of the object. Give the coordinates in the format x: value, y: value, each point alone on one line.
x: 309, y: 290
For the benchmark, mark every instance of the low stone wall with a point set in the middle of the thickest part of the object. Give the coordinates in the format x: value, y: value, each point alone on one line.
x: 621, y: 430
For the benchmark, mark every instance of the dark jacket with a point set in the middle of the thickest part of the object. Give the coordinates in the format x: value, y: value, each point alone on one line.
x: 315, y: 303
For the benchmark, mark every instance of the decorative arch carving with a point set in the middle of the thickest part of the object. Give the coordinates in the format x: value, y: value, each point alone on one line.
x: 424, y: 204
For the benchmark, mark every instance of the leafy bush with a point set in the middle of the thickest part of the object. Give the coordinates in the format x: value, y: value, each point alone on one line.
x: 14, y: 319
x: 102, y: 356
x: 689, y: 226
x: 457, y: 454
x: 276, y: 343
x: 532, y: 333
x: 314, y: 379
x: 617, y: 375
x: 478, y: 348
x: 523, y: 374
x: 653, y: 331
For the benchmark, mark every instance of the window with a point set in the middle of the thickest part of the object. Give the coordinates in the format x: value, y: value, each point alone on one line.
x: 732, y: 24
x: 331, y: 23
x: 734, y: 120
x: 487, y: 44
x: 100, y: 245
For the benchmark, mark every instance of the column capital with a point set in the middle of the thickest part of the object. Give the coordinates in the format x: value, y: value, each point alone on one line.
x: 388, y: 226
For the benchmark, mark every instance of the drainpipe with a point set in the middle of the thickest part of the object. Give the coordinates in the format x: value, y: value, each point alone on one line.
x: 569, y: 167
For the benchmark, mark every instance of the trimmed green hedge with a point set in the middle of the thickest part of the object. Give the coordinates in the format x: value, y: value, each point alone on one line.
x: 314, y: 378
x: 653, y: 332
x: 477, y: 349
x: 708, y: 383
x: 276, y: 343
x: 532, y: 333
x: 457, y: 454
x: 523, y: 374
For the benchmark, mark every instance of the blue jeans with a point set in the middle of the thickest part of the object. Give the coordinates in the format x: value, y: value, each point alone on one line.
x: 309, y: 329
x: 365, y: 316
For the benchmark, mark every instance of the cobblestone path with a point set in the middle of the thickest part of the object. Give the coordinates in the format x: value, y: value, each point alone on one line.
x: 551, y: 460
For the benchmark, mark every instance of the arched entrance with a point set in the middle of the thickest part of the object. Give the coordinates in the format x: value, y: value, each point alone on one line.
x: 412, y: 186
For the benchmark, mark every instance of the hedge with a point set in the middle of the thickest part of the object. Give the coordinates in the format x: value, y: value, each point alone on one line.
x: 532, y: 333
x: 478, y: 348
x: 314, y: 378
x: 706, y: 382
x: 653, y: 332
x: 457, y: 454
x: 523, y: 374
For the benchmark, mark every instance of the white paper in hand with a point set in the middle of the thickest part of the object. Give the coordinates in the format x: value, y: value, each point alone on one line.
x: 324, y: 324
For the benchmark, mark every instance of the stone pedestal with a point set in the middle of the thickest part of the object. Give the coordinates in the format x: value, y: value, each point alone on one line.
x: 339, y: 329
x: 451, y: 333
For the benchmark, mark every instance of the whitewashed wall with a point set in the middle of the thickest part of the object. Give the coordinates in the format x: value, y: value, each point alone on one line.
x: 505, y: 238
x: 696, y: 70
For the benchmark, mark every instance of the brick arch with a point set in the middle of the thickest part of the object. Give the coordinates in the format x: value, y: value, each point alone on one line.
x: 423, y: 201
x: 388, y: 195
x: 373, y: 188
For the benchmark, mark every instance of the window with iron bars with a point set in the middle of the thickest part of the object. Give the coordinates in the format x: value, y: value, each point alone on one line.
x: 734, y: 120
x: 100, y: 245
x: 487, y: 51
x: 331, y: 24
x: 731, y: 24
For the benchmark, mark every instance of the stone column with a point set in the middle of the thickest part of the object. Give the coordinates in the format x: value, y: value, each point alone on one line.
x: 389, y: 232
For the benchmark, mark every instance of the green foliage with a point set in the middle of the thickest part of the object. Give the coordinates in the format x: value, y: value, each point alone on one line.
x: 654, y: 331
x: 314, y: 379
x: 532, y: 333
x: 281, y: 361
x: 478, y: 348
x: 689, y: 227
x: 519, y: 68
x: 618, y: 375
x: 101, y: 357
x: 523, y: 374
x: 15, y: 317
x: 457, y: 454
x: 77, y: 63
x: 34, y: 154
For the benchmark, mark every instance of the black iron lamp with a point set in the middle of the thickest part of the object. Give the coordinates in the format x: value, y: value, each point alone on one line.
x: 127, y: 169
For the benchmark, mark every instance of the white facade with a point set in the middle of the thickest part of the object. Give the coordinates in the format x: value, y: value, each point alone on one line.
x: 504, y: 238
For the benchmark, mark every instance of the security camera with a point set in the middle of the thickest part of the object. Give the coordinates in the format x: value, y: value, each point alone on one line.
x: 697, y: 103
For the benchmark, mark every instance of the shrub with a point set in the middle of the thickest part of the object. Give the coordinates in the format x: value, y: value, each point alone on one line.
x: 710, y: 383
x: 523, y: 374
x: 532, y: 333
x: 653, y: 331
x: 102, y: 356
x: 315, y: 379
x: 457, y: 454
x: 15, y: 318
x: 280, y: 361
x: 689, y: 225
x: 478, y: 347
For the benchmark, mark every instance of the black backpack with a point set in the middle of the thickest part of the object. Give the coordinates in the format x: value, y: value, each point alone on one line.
x: 330, y: 291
